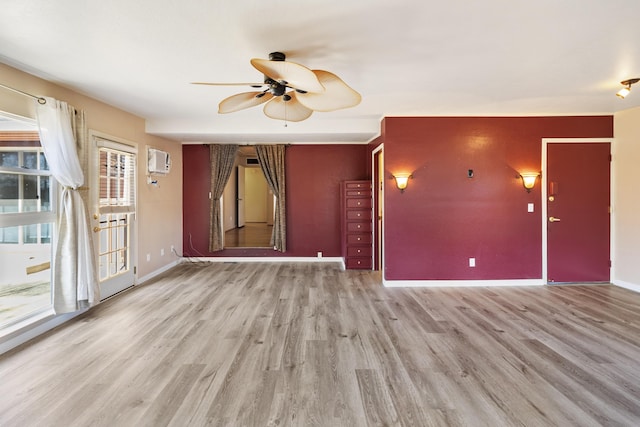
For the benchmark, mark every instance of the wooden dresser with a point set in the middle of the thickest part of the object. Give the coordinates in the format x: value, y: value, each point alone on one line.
x: 357, y: 233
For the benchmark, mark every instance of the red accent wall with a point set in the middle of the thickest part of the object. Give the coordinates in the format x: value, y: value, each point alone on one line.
x: 444, y: 218
x: 314, y: 173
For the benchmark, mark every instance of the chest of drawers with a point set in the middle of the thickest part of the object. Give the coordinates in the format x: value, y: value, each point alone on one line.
x: 357, y: 233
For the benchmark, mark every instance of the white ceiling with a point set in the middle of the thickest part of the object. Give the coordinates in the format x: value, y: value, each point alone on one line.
x: 406, y: 58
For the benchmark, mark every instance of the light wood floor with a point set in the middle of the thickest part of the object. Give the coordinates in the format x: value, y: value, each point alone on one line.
x: 252, y: 235
x: 308, y: 344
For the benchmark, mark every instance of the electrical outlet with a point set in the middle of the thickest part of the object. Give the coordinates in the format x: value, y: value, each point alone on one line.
x: 319, y: 254
x: 472, y: 262
x: 162, y: 252
x: 148, y: 257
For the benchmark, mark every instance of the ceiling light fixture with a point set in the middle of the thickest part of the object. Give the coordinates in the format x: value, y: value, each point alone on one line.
x: 625, y: 90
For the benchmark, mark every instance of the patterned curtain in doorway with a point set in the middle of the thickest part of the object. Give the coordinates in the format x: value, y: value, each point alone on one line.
x: 272, y: 162
x: 222, y: 158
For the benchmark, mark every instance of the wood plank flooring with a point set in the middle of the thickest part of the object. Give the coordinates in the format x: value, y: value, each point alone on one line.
x: 251, y: 235
x: 297, y: 344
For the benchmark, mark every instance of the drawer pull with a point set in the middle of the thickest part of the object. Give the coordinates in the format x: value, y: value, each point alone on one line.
x: 358, y: 225
x: 358, y: 239
x: 359, y: 251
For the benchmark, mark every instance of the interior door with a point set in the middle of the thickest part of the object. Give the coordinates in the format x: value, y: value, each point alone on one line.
x: 578, y: 212
x: 241, y: 195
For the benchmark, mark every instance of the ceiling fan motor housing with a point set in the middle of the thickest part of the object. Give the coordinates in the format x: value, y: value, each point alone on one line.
x: 277, y: 56
x: 276, y: 88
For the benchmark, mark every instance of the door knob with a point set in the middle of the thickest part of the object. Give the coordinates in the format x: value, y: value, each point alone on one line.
x: 553, y: 219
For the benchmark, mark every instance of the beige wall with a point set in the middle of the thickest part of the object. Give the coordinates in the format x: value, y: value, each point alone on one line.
x: 256, y: 193
x: 626, y: 197
x: 159, y: 216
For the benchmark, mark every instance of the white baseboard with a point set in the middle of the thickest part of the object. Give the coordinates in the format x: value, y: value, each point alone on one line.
x: 146, y: 277
x: 21, y: 334
x: 459, y: 283
x: 268, y: 259
x: 627, y: 285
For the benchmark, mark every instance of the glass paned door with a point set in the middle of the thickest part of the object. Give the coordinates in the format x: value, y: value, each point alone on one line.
x: 116, y: 218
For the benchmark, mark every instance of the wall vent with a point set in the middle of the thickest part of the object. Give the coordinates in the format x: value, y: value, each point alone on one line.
x: 252, y: 161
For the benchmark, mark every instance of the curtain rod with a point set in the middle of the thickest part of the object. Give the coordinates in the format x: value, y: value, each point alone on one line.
x: 40, y: 99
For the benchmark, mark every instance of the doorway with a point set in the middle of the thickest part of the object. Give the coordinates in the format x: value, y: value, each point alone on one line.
x: 248, y: 204
x: 577, y: 211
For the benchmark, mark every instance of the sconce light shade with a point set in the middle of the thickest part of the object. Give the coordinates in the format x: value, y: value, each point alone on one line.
x: 529, y: 180
x: 402, y: 179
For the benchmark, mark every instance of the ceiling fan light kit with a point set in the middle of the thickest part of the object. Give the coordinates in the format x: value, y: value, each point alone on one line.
x: 293, y: 92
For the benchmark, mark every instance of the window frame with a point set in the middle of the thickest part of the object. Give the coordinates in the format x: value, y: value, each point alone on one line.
x: 23, y: 219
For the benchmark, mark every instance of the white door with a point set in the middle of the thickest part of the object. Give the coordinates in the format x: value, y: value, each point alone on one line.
x: 116, y: 209
x: 241, y: 195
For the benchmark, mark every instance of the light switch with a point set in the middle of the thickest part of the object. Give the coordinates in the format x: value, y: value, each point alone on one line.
x: 530, y: 207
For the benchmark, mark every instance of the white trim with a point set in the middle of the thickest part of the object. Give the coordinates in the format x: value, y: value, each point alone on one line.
x: 97, y: 141
x: 459, y: 283
x: 627, y: 285
x: 374, y: 215
x: 276, y: 142
x: 157, y: 272
x: 113, y: 142
x: 39, y: 326
x: 266, y: 259
x: 23, y: 119
x: 544, y: 183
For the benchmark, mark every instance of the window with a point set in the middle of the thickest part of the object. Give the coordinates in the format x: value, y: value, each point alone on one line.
x: 27, y: 217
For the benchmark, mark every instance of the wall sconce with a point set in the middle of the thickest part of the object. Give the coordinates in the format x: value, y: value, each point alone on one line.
x: 402, y: 179
x: 626, y: 90
x: 529, y: 180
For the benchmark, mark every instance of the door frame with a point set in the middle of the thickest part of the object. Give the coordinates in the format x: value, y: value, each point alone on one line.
x: 378, y: 205
x: 240, y: 191
x: 544, y: 195
x: 125, y: 145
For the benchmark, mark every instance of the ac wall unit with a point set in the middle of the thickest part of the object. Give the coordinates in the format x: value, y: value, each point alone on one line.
x: 159, y: 161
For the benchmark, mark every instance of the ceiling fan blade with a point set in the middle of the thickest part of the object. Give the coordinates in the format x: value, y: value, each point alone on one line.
x: 291, y: 110
x: 242, y: 100
x: 289, y: 74
x: 337, y: 95
x: 228, y: 84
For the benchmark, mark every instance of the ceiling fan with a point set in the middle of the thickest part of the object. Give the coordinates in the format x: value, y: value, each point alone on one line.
x: 293, y: 92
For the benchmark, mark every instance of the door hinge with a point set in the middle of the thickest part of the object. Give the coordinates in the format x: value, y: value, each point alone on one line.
x: 610, y: 158
x: 609, y: 263
x: 135, y: 270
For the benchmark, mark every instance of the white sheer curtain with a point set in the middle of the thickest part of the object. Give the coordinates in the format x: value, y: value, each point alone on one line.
x: 75, y: 284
